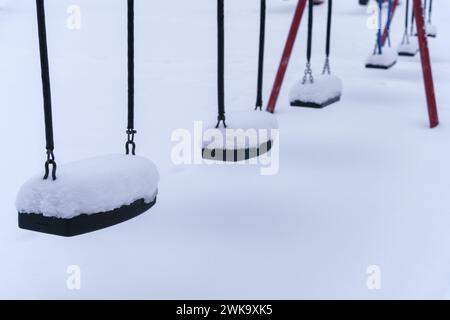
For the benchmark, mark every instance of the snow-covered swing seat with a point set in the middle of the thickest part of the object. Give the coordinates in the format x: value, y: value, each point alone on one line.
x: 321, y: 90
x: 383, y: 57
x: 409, y: 46
x: 245, y: 134
x: 91, y: 194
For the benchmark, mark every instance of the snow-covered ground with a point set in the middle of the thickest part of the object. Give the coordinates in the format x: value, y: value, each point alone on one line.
x: 361, y: 183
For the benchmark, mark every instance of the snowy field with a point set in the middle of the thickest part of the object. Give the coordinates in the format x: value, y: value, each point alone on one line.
x: 361, y: 183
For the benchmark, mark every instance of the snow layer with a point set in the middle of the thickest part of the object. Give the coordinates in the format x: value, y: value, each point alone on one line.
x: 408, y: 48
x: 324, y: 88
x: 245, y: 129
x: 431, y: 30
x: 387, y: 58
x: 90, y: 186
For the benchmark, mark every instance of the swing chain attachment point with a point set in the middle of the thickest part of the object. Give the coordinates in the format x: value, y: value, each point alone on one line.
x: 221, y: 118
x: 130, y: 142
x: 308, y: 76
x: 50, y: 162
x: 327, y: 67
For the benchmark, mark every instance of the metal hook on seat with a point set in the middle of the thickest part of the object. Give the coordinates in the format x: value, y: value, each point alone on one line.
x: 50, y: 162
x: 130, y: 142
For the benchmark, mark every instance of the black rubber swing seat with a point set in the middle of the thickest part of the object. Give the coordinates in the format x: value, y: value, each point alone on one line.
x: 407, y: 54
x: 88, y: 195
x: 236, y: 155
x: 298, y: 103
x: 379, y: 66
x: 249, y: 134
x: 324, y: 91
x: 83, y: 223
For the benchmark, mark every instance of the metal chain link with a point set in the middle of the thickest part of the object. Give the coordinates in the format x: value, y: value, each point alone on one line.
x: 308, y: 76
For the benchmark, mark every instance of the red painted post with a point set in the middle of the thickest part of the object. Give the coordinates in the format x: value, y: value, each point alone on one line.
x: 426, y: 64
x: 386, y: 31
x: 286, y: 55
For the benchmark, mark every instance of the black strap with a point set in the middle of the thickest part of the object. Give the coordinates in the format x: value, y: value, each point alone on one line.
x: 405, y: 39
x: 310, y: 30
x: 130, y: 129
x: 45, y: 75
x: 221, y: 62
x: 308, y: 77
x: 262, y: 37
x: 379, y: 46
x: 413, y: 20
x: 326, y: 68
x: 407, y: 17
x: 430, y: 11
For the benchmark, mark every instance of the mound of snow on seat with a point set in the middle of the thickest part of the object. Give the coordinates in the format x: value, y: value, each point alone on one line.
x: 431, y: 30
x: 245, y: 129
x: 388, y: 57
x: 408, y: 48
x: 324, y: 88
x: 90, y: 186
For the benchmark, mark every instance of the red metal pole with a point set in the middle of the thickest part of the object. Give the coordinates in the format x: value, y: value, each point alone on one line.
x: 426, y: 64
x: 286, y: 55
x: 386, y: 31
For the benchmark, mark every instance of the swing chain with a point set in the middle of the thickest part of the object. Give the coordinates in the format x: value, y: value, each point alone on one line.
x: 308, y: 76
x: 50, y: 162
x: 130, y: 142
x: 327, y: 67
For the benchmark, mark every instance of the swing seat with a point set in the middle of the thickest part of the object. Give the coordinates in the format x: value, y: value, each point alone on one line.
x: 383, y: 61
x: 248, y: 135
x: 88, y: 195
x: 410, y: 49
x: 326, y: 90
x: 431, y: 30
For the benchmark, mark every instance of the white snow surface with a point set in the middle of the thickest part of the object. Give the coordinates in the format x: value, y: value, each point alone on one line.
x: 90, y: 186
x: 324, y: 88
x: 365, y: 183
x: 410, y: 48
x: 386, y: 58
x: 245, y: 129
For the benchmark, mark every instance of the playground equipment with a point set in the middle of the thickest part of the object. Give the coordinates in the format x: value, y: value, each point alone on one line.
x: 423, y: 49
x: 91, y: 194
x: 325, y: 89
x: 230, y: 142
x: 382, y: 57
x: 408, y: 47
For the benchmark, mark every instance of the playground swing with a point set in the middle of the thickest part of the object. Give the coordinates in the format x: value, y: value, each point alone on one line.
x: 383, y: 57
x: 408, y: 47
x: 91, y: 194
x: 231, y: 140
x: 430, y: 28
x: 325, y: 89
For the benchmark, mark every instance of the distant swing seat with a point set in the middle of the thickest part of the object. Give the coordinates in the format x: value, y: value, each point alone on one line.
x: 322, y: 92
x: 88, y: 195
x: 410, y: 49
x: 249, y: 134
x: 385, y: 60
x: 383, y: 57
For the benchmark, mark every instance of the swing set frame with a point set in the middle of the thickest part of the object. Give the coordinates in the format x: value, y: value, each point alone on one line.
x: 423, y: 46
